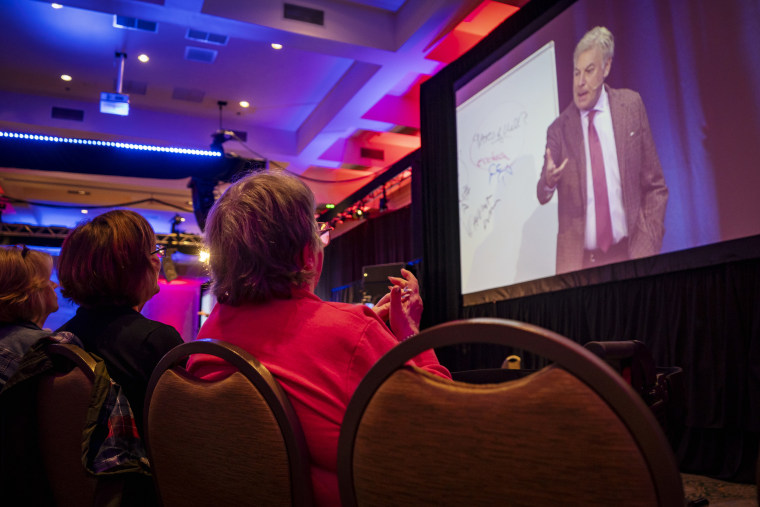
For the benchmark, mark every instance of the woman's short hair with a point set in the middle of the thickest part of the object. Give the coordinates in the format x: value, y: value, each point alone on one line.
x: 598, y: 37
x: 256, y: 233
x: 106, y: 261
x: 24, y: 276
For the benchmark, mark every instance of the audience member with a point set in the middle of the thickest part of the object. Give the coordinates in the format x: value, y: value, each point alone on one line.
x: 265, y: 259
x: 109, y: 266
x: 27, y: 297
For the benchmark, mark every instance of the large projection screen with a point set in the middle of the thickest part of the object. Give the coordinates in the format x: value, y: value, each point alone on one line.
x: 693, y: 69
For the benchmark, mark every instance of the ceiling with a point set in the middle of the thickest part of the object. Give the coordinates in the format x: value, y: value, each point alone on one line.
x: 336, y: 105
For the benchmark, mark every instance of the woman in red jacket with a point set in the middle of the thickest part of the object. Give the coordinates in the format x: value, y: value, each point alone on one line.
x: 265, y: 259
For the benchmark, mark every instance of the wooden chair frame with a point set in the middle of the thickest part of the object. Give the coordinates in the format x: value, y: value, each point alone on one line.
x: 74, y: 355
x: 563, y: 352
x: 270, y: 390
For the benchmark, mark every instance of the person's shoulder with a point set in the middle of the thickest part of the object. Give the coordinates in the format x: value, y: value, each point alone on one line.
x: 350, y: 310
x: 21, y: 334
x: 570, y: 113
x: 349, y: 315
x: 153, y: 329
x: 623, y: 95
x: 164, y: 329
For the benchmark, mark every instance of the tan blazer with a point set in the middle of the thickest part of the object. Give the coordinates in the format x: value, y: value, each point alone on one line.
x: 645, y: 194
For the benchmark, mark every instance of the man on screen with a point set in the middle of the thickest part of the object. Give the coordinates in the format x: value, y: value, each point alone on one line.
x: 601, y: 159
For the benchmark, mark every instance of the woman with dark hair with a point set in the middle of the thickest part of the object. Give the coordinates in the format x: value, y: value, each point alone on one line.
x: 265, y: 259
x: 27, y: 297
x: 109, y: 266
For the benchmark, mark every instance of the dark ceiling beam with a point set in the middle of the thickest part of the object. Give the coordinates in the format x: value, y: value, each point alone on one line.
x: 395, y: 169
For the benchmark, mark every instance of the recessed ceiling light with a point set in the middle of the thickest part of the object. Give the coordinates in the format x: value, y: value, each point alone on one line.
x: 244, y: 103
x: 65, y: 77
x: 276, y: 45
x: 56, y: 6
x: 84, y: 211
x: 143, y: 58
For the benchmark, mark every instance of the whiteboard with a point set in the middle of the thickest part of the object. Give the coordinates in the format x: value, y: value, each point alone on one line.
x: 506, y: 236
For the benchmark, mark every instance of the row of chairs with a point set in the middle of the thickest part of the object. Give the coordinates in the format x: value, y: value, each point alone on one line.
x: 573, y: 433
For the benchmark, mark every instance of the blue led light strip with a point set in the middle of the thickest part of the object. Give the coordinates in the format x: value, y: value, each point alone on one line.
x: 110, y: 144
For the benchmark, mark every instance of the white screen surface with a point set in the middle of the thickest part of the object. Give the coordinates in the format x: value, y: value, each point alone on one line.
x: 506, y: 236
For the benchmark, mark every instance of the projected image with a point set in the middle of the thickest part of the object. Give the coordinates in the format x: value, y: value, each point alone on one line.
x: 616, y: 131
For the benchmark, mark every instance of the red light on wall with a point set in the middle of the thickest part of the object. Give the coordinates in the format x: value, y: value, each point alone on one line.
x: 472, y: 30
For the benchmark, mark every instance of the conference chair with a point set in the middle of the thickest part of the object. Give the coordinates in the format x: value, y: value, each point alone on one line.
x: 63, y: 399
x: 572, y: 433
x: 235, y: 441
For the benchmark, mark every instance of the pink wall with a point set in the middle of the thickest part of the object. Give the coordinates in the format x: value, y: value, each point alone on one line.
x: 177, y: 304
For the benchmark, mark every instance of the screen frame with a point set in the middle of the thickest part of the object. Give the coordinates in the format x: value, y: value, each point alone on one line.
x: 439, y: 180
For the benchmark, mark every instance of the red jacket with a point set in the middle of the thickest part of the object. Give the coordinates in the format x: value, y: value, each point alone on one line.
x: 319, y: 352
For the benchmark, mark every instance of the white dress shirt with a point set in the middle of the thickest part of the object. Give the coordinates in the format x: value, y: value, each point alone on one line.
x: 603, y: 125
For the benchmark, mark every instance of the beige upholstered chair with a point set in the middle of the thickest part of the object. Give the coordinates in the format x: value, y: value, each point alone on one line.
x: 231, y: 442
x: 573, y: 433
x: 63, y: 398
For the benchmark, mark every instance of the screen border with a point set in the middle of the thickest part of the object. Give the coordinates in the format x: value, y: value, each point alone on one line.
x: 439, y: 180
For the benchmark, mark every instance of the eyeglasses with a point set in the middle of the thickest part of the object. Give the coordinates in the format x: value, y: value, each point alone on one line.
x: 324, y: 232
x: 160, y: 251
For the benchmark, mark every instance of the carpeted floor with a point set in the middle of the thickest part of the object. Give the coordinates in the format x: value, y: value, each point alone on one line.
x: 716, y: 492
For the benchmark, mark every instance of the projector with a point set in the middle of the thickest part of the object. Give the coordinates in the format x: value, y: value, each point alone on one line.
x: 114, y: 103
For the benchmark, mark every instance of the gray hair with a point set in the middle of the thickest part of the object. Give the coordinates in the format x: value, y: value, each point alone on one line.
x: 256, y: 232
x: 598, y: 37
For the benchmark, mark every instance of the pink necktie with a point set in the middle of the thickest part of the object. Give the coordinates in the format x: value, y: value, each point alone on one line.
x: 601, y: 200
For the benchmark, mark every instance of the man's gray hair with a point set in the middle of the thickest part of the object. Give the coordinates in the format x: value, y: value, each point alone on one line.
x: 599, y: 37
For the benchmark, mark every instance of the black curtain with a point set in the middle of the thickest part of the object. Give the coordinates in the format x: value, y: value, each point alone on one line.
x: 707, y: 321
x: 380, y: 240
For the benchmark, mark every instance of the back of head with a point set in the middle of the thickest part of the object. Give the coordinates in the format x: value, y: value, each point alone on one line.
x: 256, y: 233
x: 599, y: 37
x: 24, y: 274
x: 106, y: 261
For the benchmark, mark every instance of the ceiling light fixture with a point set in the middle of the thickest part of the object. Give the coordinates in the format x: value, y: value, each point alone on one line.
x: 275, y: 45
x: 65, y: 77
x: 56, y: 6
x: 143, y: 58
x: 244, y: 103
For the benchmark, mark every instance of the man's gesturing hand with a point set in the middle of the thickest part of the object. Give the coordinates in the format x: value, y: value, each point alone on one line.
x: 553, y: 172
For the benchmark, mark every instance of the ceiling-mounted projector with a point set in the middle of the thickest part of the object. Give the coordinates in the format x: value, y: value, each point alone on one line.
x: 116, y: 103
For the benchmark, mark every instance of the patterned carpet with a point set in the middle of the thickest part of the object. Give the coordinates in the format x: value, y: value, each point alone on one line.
x: 716, y: 492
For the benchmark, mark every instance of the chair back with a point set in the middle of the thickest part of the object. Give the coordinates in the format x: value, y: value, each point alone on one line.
x: 63, y: 398
x: 573, y: 433
x: 235, y: 441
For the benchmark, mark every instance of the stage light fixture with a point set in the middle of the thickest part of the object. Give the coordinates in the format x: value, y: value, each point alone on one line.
x: 168, y: 266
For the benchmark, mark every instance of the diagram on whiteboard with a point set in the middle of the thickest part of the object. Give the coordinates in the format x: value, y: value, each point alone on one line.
x: 506, y: 237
